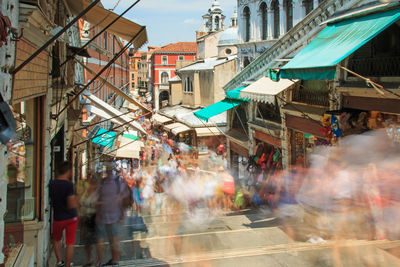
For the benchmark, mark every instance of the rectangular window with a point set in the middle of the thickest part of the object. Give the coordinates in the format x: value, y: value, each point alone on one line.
x: 180, y: 58
x: 105, y: 41
x: 133, y: 76
x: 164, y: 60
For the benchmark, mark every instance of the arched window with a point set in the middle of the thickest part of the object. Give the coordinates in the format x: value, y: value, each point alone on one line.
x: 246, y: 62
x: 164, y: 78
x: 264, y: 21
x: 246, y: 13
x: 289, y: 14
x: 308, y: 5
x: 275, y: 9
x: 216, y: 21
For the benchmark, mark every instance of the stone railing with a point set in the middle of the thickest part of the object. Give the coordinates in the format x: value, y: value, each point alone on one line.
x: 295, y: 38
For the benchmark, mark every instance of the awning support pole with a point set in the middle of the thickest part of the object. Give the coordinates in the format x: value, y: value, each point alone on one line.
x: 37, y: 52
x: 99, y: 33
x: 93, y: 124
x: 101, y: 71
x: 112, y: 129
x: 116, y: 89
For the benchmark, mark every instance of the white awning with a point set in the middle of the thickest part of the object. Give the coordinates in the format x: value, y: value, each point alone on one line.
x: 176, y: 128
x: 101, y: 17
x: 130, y: 106
x: 171, y: 126
x: 124, y: 119
x: 101, y: 113
x: 180, y: 129
x: 209, y: 131
x: 265, y: 89
x: 160, y: 119
x: 128, y: 148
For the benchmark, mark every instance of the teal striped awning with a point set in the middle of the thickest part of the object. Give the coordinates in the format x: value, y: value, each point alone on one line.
x: 104, y: 137
x: 338, y: 40
x: 235, y: 93
x: 231, y: 100
x: 206, y: 113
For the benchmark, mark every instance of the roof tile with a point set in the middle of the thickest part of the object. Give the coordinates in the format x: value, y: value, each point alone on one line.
x: 186, y: 47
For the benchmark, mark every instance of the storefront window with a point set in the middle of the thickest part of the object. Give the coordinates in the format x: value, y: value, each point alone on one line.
x: 21, y: 165
x: 186, y: 138
x: 266, y: 111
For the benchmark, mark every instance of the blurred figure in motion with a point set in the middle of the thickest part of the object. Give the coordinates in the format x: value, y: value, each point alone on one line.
x: 141, y: 206
x: 88, y: 202
x: 110, y: 214
x: 64, y: 203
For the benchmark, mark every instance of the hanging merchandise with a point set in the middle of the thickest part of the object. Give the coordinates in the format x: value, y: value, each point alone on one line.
x: 270, y: 158
x: 259, y: 149
x: 344, y: 121
x: 276, y: 156
x: 336, y: 127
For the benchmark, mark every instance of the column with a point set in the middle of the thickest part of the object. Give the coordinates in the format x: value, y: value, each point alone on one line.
x: 156, y: 98
x: 270, y: 24
x: 316, y: 4
x: 196, y: 89
x: 282, y: 20
x: 298, y: 12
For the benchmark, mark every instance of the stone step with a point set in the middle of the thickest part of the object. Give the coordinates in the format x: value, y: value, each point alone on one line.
x: 351, y: 253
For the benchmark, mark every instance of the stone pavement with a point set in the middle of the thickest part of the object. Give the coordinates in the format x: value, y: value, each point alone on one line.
x: 245, y: 238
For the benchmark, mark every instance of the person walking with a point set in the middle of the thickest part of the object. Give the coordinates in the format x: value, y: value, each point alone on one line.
x: 110, y: 213
x: 88, y: 202
x: 64, y: 203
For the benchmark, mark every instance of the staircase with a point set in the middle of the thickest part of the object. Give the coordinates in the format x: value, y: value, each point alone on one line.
x: 296, y: 38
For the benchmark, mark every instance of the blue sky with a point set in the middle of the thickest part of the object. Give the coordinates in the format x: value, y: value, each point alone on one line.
x: 170, y: 21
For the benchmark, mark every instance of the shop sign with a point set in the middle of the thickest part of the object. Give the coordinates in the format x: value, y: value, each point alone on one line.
x: 267, y: 139
x: 305, y: 125
x: 240, y: 150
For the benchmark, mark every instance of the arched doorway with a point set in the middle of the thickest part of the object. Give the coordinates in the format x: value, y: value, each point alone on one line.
x: 163, y: 99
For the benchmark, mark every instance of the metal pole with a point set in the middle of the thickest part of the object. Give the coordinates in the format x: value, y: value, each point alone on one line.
x: 112, y: 129
x: 101, y: 71
x: 37, y: 52
x: 90, y: 125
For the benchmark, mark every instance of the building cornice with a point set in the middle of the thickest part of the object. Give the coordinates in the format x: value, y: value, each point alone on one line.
x: 174, y: 53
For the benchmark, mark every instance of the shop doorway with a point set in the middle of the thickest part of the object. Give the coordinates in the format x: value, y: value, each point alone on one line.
x: 57, y: 151
x: 164, y: 99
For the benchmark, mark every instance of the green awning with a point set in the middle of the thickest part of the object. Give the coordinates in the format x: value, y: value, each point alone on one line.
x: 234, y: 94
x: 130, y: 136
x: 217, y: 108
x: 104, y: 137
x: 333, y: 44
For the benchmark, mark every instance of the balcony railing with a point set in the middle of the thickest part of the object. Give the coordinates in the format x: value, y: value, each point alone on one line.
x: 376, y: 67
x: 312, y: 97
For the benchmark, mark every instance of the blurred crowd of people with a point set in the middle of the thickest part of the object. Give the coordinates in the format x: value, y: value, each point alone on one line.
x: 347, y: 192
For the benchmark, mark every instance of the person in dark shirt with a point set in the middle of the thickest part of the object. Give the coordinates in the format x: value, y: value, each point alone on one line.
x: 64, y: 203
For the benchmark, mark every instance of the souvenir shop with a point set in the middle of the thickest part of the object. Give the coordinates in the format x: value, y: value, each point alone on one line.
x: 267, y: 159
x: 304, y: 135
x: 239, y: 156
